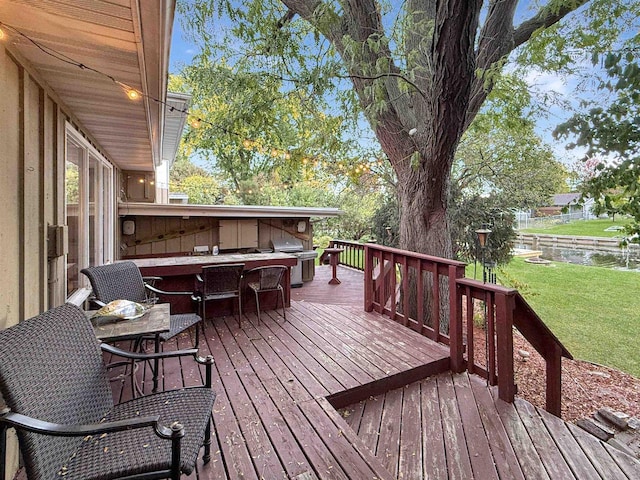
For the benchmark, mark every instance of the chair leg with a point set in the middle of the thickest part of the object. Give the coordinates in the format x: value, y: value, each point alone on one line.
x: 284, y: 313
x: 207, y: 441
x: 198, y: 334
x: 239, y: 308
x: 204, y: 310
x: 257, y: 305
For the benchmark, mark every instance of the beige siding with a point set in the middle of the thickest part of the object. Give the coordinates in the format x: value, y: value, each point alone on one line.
x: 10, y: 191
x: 32, y: 233
x: 31, y: 197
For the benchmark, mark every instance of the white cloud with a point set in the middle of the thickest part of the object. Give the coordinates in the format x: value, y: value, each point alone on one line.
x: 546, y: 82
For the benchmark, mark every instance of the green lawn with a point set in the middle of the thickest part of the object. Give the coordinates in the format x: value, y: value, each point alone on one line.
x: 594, y: 311
x: 583, y: 228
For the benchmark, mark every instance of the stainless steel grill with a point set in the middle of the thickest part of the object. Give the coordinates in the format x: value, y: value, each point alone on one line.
x: 293, y: 246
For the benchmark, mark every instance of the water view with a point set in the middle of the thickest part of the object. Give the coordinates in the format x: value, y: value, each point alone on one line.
x: 621, y: 260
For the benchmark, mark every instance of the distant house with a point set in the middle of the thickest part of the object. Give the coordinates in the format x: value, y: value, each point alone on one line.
x: 568, y: 201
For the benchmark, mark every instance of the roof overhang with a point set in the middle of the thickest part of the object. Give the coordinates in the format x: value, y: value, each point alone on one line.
x: 126, y: 40
x: 229, y: 211
x: 174, y: 121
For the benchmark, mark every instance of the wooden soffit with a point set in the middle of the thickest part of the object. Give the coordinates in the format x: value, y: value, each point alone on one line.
x: 128, y: 40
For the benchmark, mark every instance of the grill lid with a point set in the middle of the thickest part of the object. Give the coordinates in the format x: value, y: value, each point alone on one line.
x: 286, y: 245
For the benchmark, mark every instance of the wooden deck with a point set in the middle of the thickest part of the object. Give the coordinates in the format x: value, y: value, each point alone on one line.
x: 278, y: 383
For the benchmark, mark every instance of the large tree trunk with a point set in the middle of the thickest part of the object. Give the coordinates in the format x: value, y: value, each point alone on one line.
x: 419, y: 113
x: 448, y: 66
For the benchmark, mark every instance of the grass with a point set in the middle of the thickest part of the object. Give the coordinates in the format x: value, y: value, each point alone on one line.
x: 594, y: 311
x: 583, y: 228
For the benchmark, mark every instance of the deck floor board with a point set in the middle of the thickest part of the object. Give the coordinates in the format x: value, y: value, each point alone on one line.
x: 273, y: 418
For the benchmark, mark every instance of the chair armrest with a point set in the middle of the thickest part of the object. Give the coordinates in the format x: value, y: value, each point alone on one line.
x: 163, y: 292
x: 94, y: 300
x: 208, y: 363
x: 193, y: 352
x: 151, y: 279
x: 17, y: 420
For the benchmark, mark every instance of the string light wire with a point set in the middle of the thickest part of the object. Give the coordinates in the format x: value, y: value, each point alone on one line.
x: 196, y: 120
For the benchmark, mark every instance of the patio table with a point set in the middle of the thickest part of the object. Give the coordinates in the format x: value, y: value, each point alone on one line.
x: 155, y: 321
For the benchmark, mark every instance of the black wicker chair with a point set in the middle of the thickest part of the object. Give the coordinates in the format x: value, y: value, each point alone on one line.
x: 269, y: 280
x: 59, y: 400
x: 123, y: 281
x: 219, y: 282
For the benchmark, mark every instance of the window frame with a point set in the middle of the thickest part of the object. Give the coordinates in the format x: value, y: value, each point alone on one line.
x: 103, y: 209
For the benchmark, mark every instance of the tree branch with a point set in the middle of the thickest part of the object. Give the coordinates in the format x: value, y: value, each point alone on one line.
x: 546, y: 17
x: 499, y: 38
x: 383, y: 75
x: 285, y: 19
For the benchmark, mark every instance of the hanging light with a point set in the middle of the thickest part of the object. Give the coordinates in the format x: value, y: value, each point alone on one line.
x: 196, y: 122
x: 2, y: 35
x: 133, y: 94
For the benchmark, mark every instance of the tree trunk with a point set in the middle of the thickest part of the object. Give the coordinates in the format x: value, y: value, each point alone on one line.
x: 449, y: 73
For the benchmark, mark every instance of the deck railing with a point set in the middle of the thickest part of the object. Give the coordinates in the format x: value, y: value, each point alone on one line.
x: 353, y: 255
x: 392, y: 279
x: 469, y: 308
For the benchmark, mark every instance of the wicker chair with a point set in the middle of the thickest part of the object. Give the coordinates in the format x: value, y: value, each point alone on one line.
x: 219, y: 282
x: 269, y: 280
x: 59, y: 400
x: 123, y: 281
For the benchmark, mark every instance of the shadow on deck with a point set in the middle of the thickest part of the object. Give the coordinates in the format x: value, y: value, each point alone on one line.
x: 338, y: 393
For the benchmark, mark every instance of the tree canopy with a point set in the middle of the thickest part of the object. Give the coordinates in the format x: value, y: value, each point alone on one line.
x: 420, y: 72
x: 608, y: 126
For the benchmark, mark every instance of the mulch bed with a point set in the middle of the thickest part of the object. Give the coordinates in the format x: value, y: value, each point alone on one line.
x: 586, y: 387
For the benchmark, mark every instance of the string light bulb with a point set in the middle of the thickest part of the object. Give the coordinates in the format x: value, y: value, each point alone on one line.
x: 133, y: 94
x: 136, y: 95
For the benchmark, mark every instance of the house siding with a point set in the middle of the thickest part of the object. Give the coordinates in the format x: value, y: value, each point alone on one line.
x: 31, y: 148
x: 32, y: 138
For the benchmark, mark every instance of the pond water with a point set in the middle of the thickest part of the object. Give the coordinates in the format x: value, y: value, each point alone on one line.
x: 615, y: 260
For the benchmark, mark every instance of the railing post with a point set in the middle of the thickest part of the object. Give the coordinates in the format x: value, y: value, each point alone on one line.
x: 368, y: 279
x: 554, y: 380
x: 505, y: 304
x: 456, y: 351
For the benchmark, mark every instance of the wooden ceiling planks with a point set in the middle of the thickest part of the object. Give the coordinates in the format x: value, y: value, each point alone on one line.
x: 101, y: 34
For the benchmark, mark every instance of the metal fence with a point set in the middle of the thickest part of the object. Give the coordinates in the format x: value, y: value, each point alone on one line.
x: 524, y: 221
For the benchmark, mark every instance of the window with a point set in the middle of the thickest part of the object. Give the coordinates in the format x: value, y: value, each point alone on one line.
x: 89, y: 208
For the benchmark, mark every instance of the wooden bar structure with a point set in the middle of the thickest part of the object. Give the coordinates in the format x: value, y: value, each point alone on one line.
x: 178, y: 274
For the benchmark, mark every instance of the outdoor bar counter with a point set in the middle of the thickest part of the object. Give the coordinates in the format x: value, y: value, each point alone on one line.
x: 178, y: 274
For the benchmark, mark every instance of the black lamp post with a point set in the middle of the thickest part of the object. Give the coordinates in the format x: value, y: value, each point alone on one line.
x: 483, y: 237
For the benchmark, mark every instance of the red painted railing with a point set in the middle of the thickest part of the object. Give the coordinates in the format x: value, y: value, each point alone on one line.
x: 392, y: 279
x: 468, y: 307
x: 353, y: 255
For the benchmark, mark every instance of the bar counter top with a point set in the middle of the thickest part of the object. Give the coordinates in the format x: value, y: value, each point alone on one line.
x: 178, y: 275
x: 223, y: 258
